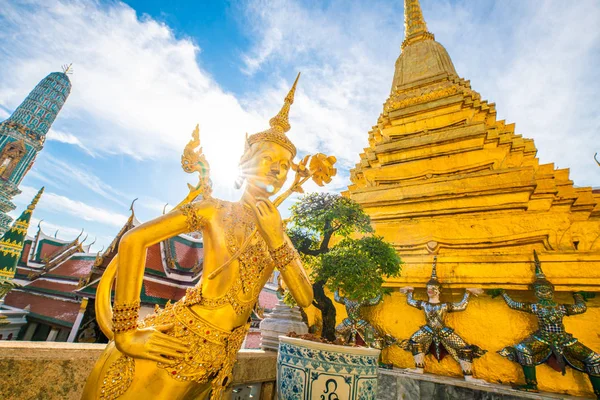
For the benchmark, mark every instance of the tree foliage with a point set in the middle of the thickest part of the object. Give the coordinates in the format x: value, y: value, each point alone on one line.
x: 356, y: 267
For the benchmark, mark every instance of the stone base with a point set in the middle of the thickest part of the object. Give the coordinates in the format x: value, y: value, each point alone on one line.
x: 399, y: 384
x: 58, y: 371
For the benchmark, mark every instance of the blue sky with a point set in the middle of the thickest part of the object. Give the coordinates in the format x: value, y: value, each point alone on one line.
x: 147, y: 71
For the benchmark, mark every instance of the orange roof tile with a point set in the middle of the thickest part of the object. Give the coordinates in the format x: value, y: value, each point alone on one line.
x: 74, y: 267
x: 59, y: 311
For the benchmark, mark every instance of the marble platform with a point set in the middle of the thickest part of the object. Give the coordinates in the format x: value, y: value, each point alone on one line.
x: 399, y: 384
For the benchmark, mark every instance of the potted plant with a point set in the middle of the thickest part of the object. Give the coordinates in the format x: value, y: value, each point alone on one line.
x: 322, y: 229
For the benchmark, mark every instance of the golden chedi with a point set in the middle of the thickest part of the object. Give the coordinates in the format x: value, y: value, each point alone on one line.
x: 188, y: 349
x: 442, y: 176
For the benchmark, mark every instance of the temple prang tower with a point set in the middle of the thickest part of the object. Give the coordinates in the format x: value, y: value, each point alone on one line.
x: 23, y: 134
x: 442, y: 176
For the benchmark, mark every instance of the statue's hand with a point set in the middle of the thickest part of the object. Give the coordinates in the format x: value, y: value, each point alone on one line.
x: 406, y: 289
x: 475, y: 291
x: 269, y: 222
x: 151, y: 344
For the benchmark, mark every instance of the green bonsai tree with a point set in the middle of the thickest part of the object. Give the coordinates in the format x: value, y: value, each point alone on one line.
x: 356, y: 267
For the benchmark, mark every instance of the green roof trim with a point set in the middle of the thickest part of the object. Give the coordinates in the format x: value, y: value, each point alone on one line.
x: 88, y: 290
x: 171, y: 243
x: 49, y: 291
x: 155, y: 273
x: 25, y: 243
x: 49, y: 319
x: 38, y: 253
x: 196, y: 245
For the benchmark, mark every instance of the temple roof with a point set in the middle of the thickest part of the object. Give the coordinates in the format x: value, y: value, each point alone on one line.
x: 74, y: 268
x: 46, y: 307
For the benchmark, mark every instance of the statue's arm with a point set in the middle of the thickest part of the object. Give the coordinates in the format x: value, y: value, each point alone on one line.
x: 461, y: 305
x: 517, y: 305
x: 412, y: 302
x: 133, y: 245
x: 578, y: 308
x: 296, y: 279
x: 150, y: 343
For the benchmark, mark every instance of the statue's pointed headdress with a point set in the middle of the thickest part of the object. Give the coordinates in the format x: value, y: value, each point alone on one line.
x: 279, y: 126
x: 434, y: 280
x: 540, y: 277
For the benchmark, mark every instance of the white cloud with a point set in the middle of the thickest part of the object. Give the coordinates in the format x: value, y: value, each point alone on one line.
x: 61, y: 231
x: 68, y: 174
x: 137, y: 89
x: 68, y: 138
x: 342, y: 50
x: 61, y: 204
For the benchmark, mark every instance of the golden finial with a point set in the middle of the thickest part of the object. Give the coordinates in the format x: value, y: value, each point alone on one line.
x: 78, y: 236
x: 281, y: 120
x: 34, y: 202
x: 279, y: 125
x: 415, y: 28
x: 414, y: 22
x: 131, y: 206
x: 194, y: 160
x: 67, y: 69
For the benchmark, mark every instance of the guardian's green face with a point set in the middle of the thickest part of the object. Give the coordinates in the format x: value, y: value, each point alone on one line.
x: 543, y: 292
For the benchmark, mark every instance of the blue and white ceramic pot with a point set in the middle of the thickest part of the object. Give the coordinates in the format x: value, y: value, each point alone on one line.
x: 313, y: 371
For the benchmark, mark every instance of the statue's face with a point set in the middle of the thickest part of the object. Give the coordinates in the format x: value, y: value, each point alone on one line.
x: 267, y: 169
x: 544, y: 292
x: 433, y: 290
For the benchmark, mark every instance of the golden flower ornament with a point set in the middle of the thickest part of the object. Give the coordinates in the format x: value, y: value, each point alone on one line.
x: 321, y: 168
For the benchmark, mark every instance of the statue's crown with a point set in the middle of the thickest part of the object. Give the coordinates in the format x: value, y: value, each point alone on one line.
x: 279, y: 126
x: 540, y: 277
x: 434, y: 280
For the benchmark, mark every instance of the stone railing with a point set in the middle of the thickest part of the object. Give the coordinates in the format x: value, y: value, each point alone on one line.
x: 48, y: 370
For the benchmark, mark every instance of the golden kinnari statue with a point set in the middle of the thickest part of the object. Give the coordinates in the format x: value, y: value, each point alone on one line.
x: 187, y: 349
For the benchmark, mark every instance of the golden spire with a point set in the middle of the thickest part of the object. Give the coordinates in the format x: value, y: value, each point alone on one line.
x: 413, y: 18
x: 415, y: 27
x: 34, y: 202
x: 421, y: 56
x: 279, y: 125
x: 280, y: 121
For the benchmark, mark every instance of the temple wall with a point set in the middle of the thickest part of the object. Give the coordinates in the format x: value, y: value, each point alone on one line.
x: 442, y: 176
x: 491, y: 325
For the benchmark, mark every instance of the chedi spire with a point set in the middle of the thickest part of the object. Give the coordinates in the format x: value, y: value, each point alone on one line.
x: 11, y: 243
x: 422, y: 57
x: 414, y: 23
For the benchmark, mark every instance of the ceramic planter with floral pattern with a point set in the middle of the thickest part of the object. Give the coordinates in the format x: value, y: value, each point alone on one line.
x: 310, y: 370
